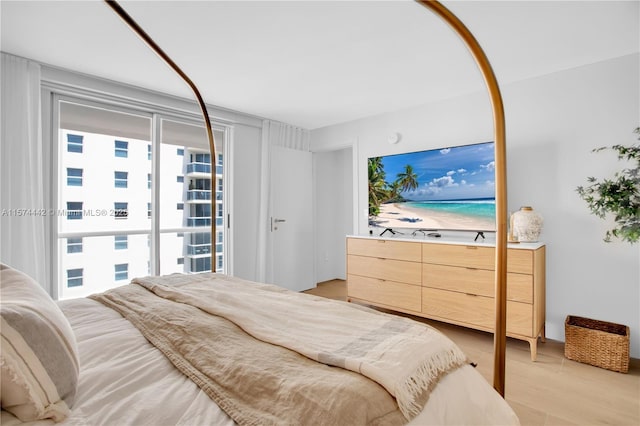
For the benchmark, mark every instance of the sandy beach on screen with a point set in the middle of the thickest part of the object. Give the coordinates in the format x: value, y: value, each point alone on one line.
x: 398, y: 215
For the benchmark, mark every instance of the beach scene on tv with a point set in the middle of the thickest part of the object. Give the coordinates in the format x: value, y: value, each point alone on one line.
x: 441, y: 189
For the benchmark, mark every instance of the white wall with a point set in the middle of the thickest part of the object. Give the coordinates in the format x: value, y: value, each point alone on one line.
x: 333, y: 188
x: 246, y: 197
x: 553, y: 123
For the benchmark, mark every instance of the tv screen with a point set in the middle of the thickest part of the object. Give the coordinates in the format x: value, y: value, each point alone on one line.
x: 440, y: 189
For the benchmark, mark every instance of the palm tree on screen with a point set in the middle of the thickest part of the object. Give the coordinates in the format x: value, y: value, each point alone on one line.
x: 378, y: 192
x: 408, y: 179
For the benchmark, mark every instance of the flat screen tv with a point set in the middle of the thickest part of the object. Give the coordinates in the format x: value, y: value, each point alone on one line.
x: 450, y: 188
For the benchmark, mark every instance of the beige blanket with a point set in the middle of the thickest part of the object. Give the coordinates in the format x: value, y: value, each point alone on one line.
x: 405, y: 357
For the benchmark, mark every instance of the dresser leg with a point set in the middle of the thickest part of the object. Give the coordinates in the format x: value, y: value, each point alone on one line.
x: 533, y: 345
x: 542, y: 336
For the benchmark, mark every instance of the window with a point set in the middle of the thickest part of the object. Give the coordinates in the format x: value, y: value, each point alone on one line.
x: 110, y: 234
x: 219, y: 166
x: 121, y: 242
x: 74, y: 210
x: 201, y: 158
x: 121, y: 179
x: 201, y: 210
x: 199, y: 238
x: 74, y: 245
x: 122, y: 149
x: 120, y: 210
x: 74, y: 143
x: 121, y: 271
x: 74, y: 277
x: 200, y: 264
x: 74, y: 177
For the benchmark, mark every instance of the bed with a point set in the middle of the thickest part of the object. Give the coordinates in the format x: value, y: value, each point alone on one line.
x: 104, y: 371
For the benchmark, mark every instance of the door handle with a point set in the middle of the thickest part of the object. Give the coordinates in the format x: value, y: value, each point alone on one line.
x: 274, y: 223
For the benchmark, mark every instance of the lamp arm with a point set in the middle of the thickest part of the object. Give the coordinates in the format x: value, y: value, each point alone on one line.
x: 499, y: 337
x: 212, y: 146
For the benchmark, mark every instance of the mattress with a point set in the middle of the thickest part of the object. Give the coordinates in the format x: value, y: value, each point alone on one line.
x: 124, y: 380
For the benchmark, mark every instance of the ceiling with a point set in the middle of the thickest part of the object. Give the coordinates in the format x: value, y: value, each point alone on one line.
x: 315, y: 64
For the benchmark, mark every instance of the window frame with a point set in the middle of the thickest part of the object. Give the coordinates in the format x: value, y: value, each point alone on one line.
x: 119, y: 243
x: 75, y: 144
x: 121, y: 151
x: 120, y: 182
x: 74, y: 278
x: 121, y: 271
x: 113, y: 101
x: 121, y: 210
x: 77, y: 179
x: 72, y: 210
x: 74, y: 244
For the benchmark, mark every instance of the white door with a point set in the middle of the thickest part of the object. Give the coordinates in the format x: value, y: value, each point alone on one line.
x: 291, y: 231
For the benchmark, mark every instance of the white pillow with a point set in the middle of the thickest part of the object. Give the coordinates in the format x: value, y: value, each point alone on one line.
x: 38, y: 354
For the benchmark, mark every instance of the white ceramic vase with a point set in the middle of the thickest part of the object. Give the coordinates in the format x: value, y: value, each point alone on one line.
x: 527, y: 225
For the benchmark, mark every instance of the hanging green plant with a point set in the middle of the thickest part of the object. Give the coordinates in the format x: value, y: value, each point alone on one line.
x: 619, y: 196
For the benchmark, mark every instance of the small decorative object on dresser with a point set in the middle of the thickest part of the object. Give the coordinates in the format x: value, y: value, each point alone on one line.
x: 527, y: 225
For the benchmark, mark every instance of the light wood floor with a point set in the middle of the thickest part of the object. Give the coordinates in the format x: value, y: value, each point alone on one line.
x: 551, y: 391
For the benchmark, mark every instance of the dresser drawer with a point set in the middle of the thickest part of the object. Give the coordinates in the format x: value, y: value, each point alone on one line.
x: 518, y: 261
x: 386, y: 269
x: 388, y: 293
x: 476, y: 281
x: 476, y: 311
x: 398, y: 250
x: 459, y: 255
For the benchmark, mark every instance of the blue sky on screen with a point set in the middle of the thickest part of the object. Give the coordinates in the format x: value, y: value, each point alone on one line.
x: 456, y: 173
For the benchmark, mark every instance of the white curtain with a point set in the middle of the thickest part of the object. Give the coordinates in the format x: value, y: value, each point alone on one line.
x: 24, y: 212
x: 273, y: 134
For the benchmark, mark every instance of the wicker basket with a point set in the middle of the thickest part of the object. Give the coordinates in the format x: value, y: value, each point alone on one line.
x: 599, y: 343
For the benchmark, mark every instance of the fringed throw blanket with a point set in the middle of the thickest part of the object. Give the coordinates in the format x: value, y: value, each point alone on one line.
x: 407, y: 358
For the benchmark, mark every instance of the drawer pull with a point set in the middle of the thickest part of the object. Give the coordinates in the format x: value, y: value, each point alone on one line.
x: 471, y: 269
x: 471, y: 294
x: 472, y: 247
x: 382, y: 241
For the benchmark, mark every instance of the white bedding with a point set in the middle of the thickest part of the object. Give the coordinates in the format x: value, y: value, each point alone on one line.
x: 124, y: 380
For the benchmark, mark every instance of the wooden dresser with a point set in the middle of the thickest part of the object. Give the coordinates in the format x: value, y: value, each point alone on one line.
x: 450, y: 282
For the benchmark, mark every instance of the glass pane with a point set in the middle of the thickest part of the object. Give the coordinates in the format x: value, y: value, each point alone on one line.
x: 108, y: 182
x: 100, y: 192
x: 98, y: 257
x: 185, y: 201
x: 188, y: 252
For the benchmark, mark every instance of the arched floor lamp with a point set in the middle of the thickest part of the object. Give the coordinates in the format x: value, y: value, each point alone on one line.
x: 500, y: 336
